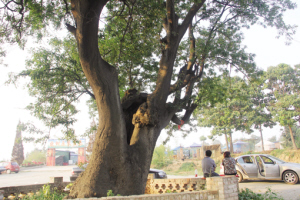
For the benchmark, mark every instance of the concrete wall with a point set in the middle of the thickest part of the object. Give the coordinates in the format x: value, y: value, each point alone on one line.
x: 54, y: 182
x: 161, y: 186
x: 227, y: 186
x: 217, y: 188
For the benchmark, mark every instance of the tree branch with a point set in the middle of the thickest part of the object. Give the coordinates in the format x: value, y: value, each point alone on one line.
x: 189, y: 17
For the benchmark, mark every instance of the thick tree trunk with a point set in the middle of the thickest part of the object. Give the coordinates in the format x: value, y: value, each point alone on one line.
x: 115, y: 165
x: 262, y: 139
x: 292, y: 137
x: 231, y: 144
x: 226, y: 139
x: 125, y: 140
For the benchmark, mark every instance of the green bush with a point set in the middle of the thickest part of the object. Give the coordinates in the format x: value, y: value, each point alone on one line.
x: 47, y: 194
x: 162, y: 157
x: 36, y: 156
x: 250, y: 195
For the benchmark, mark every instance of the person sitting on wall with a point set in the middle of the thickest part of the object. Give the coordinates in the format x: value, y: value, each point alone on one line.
x: 229, y: 164
x: 208, y: 165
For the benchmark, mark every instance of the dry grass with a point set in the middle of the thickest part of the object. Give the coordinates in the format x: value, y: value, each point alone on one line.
x: 174, y: 168
x: 288, y: 155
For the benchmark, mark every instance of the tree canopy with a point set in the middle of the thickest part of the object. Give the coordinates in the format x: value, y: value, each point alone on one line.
x: 142, y: 68
x: 283, y: 84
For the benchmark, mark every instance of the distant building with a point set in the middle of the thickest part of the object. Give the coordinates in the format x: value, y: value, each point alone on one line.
x: 267, y: 146
x: 193, y: 149
x: 241, y: 147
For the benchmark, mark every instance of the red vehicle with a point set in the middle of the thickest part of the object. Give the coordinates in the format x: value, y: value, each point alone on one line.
x: 10, y: 167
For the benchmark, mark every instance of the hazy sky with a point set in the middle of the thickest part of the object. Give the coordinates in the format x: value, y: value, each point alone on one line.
x: 262, y: 42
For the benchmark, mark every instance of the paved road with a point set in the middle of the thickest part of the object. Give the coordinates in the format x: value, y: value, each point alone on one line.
x: 40, y: 175
x: 287, y: 192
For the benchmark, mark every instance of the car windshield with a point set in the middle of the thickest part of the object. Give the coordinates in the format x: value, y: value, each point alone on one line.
x: 276, y: 159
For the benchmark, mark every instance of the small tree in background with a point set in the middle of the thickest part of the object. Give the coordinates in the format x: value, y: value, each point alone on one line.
x: 18, y: 150
x: 202, y: 139
x: 36, y: 155
x: 272, y: 139
x: 162, y: 156
x: 283, y: 85
x: 286, y: 136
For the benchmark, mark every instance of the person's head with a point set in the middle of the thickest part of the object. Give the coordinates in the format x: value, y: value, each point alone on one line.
x: 226, y: 154
x: 208, y: 153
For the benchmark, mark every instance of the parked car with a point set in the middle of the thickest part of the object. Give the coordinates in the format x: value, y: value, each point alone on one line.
x: 77, y: 170
x: 158, y: 173
x: 265, y: 167
x: 10, y: 167
x: 2, y: 169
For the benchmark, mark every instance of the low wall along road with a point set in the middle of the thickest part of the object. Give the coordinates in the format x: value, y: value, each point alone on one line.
x: 214, y: 188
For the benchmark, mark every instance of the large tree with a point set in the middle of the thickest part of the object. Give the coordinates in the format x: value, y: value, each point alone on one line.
x: 123, y: 54
x: 231, y: 112
x: 282, y: 82
x: 260, y: 117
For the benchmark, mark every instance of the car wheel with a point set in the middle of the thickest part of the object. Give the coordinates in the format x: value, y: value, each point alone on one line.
x: 8, y: 171
x: 290, y: 177
x: 17, y: 172
x: 240, y: 176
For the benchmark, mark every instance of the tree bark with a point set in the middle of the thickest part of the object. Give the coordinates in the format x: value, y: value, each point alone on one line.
x: 226, y: 139
x: 114, y: 164
x: 262, y: 139
x: 292, y: 137
x: 231, y: 145
x: 123, y: 148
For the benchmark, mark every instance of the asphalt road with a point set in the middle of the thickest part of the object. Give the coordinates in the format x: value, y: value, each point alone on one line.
x: 37, y: 175
x: 41, y: 175
x: 287, y: 192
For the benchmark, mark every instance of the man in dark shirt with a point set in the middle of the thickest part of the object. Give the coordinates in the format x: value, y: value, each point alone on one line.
x: 208, y: 165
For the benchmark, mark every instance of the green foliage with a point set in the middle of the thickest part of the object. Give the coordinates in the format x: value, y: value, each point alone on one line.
x: 162, y: 157
x: 170, y: 191
x: 286, y: 136
x: 47, y: 194
x: 69, y: 185
x: 187, y: 166
x: 82, y: 165
x: 110, y: 193
x: 18, y: 150
x: 132, y: 41
x: 283, y: 83
x: 230, y: 112
x: 250, y: 195
x: 36, y: 155
x: 278, y: 152
x: 203, y: 138
x: 272, y: 139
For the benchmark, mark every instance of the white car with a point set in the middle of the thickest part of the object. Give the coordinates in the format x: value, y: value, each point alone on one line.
x: 265, y: 167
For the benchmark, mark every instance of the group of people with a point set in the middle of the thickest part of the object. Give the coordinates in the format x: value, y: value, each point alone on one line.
x: 209, y: 165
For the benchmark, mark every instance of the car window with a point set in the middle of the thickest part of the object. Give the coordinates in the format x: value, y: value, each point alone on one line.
x: 258, y: 159
x: 267, y: 160
x: 276, y: 159
x: 245, y: 159
x: 240, y: 160
x: 14, y: 163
